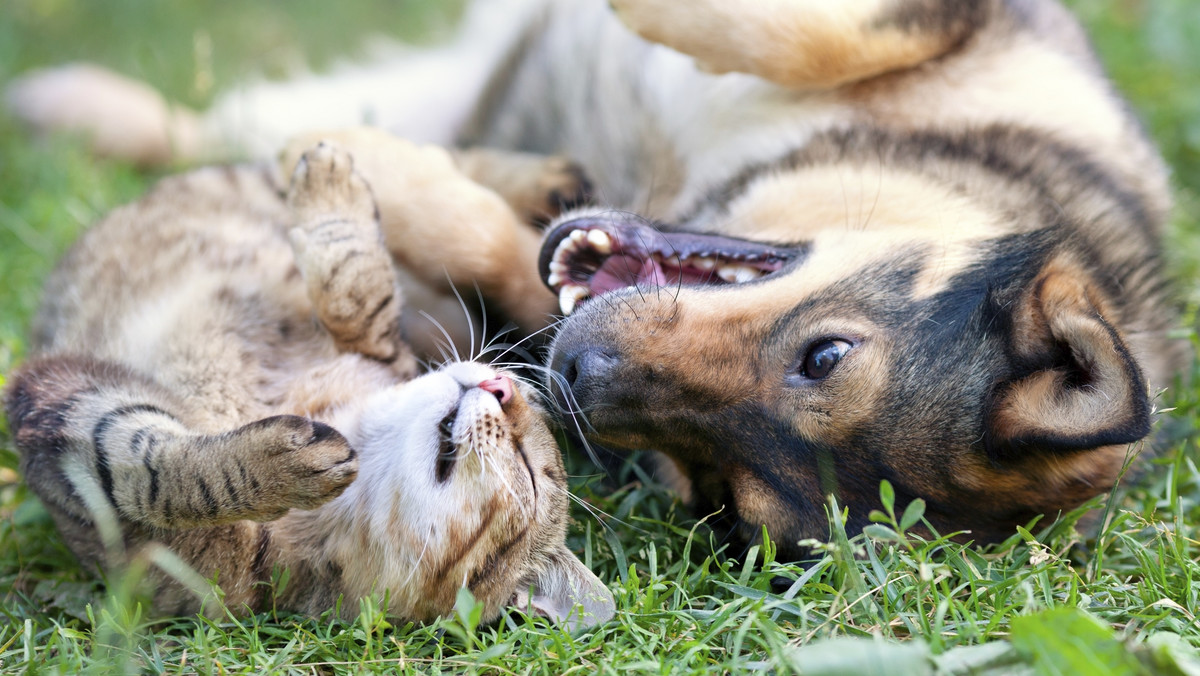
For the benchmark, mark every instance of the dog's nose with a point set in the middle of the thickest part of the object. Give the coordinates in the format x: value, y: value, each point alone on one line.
x: 588, y: 370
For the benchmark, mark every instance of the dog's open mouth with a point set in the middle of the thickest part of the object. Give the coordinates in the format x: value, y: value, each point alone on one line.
x: 586, y: 257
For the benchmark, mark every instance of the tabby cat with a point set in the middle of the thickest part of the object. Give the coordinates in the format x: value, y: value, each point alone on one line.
x: 214, y: 364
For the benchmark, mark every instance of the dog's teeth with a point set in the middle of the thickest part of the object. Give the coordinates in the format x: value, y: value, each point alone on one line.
x: 563, y: 250
x: 599, y: 240
x: 703, y: 263
x: 736, y: 273
x: 570, y: 296
x: 746, y: 274
x: 578, y: 236
x: 559, y: 267
x: 554, y: 279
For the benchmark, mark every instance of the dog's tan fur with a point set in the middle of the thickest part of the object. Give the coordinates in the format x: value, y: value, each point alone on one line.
x: 954, y: 195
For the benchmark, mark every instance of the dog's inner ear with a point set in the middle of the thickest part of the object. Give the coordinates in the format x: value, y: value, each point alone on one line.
x: 1085, y: 391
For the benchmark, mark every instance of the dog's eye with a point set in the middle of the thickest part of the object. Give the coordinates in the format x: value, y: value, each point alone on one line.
x: 822, y: 357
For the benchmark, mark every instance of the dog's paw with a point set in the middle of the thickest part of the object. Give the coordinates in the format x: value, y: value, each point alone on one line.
x: 120, y: 117
x: 326, y: 187
x: 698, y: 28
x: 563, y: 185
x: 654, y: 20
x: 298, y: 463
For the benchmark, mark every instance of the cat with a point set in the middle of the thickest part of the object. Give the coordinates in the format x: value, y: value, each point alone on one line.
x: 214, y: 364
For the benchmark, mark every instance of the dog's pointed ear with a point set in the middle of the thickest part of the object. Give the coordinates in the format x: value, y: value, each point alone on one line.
x: 567, y: 592
x: 1082, y: 388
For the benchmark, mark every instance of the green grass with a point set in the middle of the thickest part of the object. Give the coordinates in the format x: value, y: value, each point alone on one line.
x: 1053, y: 599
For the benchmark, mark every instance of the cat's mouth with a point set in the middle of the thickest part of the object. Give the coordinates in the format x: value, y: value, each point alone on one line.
x: 479, y: 426
x: 586, y: 257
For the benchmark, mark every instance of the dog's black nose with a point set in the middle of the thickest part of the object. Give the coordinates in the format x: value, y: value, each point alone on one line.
x: 588, y: 366
x: 587, y: 371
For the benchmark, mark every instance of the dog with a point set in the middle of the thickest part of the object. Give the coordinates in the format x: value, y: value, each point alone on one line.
x: 833, y: 243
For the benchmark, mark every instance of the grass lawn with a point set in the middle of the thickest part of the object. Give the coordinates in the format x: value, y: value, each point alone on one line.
x: 1052, y: 599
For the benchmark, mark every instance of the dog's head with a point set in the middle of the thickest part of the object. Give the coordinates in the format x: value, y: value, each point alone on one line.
x: 966, y: 348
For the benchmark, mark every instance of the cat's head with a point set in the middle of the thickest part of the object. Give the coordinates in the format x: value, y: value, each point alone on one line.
x: 461, y: 483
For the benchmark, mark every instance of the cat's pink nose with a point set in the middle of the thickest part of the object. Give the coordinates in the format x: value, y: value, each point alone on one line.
x: 501, y: 386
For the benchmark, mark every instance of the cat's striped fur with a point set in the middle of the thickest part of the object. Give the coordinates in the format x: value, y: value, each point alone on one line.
x: 214, y: 364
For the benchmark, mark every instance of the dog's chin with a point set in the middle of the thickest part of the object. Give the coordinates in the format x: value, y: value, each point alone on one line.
x: 588, y: 256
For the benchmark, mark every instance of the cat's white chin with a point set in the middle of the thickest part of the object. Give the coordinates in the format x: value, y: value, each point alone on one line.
x: 433, y: 452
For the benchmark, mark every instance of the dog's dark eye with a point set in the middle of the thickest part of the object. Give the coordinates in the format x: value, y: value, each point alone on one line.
x: 822, y: 357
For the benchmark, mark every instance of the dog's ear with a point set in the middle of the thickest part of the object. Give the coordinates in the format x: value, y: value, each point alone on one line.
x: 1085, y: 390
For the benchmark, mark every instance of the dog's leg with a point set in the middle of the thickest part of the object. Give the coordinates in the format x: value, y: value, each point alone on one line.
x: 537, y: 187
x: 421, y: 94
x: 806, y: 44
x: 441, y: 226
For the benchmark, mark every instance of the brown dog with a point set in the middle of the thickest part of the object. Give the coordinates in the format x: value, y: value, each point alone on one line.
x: 913, y: 240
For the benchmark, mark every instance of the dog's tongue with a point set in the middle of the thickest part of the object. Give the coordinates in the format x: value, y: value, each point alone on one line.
x: 618, y: 272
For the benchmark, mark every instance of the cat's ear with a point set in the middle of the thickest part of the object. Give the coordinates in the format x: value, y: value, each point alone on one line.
x: 568, y: 593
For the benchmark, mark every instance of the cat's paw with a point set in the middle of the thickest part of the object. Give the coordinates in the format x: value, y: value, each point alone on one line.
x: 300, y: 463
x: 325, y: 187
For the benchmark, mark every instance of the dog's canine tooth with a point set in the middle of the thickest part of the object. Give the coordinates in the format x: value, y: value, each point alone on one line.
x: 570, y: 296
x: 564, y: 248
x: 599, y: 240
x: 746, y: 273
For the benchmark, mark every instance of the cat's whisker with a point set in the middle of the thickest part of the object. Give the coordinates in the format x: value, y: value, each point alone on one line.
x: 466, y: 315
x: 596, y: 513
x: 483, y: 329
x: 421, y: 556
x: 489, y: 463
x: 449, y: 342
x: 517, y: 345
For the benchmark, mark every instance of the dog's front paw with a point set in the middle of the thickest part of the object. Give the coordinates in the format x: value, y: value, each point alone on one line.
x: 562, y: 186
x: 700, y: 29
x: 659, y: 20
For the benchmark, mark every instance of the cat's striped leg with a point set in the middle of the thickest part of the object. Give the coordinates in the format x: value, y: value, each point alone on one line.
x: 340, y: 251
x: 444, y: 228
x: 99, y: 439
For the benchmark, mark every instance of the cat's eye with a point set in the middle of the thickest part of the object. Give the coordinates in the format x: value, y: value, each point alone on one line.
x: 822, y: 357
x: 446, y: 454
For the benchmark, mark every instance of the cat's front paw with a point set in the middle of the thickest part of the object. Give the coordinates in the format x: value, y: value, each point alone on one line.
x: 299, y: 463
x: 325, y: 188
